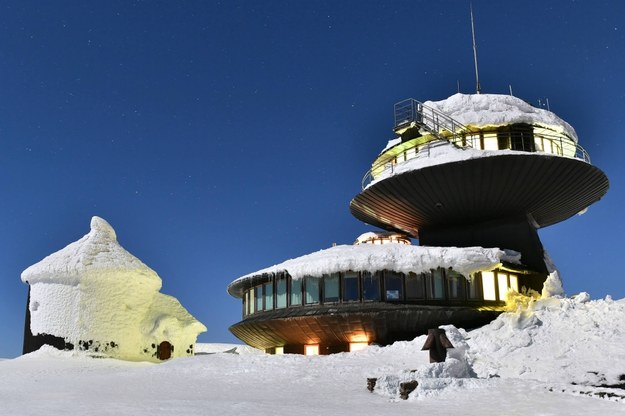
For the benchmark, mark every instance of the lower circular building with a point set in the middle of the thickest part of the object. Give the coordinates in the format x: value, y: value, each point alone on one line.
x: 380, y: 290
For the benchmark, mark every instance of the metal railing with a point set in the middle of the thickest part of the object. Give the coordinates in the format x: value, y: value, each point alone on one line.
x: 442, y: 129
x: 411, y: 112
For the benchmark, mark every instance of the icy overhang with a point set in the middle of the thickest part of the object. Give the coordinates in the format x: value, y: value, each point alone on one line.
x: 396, y: 257
x: 97, y: 253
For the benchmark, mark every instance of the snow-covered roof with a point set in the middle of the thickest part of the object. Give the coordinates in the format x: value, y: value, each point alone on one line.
x: 397, y: 257
x: 482, y: 110
x: 96, y: 251
x: 490, y: 110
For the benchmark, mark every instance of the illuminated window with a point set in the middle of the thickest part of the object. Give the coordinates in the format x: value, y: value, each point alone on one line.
x: 514, y: 282
x: 475, y: 141
x: 279, y: 350
x: 410, y: 153
x: 415, y: 286
x: 370, y: 286
x: 491, y: 142
x: 268, y: 296
x: 311, y: 349
x: 280, y: 291
x: 296, y: 292
x: 331, y: 287
x: 502, y: 285
x: 357, y: 346
x: 311, y: 286
x: 246, y: 303
x: 350, y: 287
x: 393, y: 286
x: 488, y: 286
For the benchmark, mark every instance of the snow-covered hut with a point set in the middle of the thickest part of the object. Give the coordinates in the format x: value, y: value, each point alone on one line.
x: 94, y: 295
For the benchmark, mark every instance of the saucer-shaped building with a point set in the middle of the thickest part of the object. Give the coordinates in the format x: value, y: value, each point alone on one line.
x: 472, y: 178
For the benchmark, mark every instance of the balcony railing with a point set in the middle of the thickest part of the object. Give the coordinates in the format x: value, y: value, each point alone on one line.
x: 549, y: 144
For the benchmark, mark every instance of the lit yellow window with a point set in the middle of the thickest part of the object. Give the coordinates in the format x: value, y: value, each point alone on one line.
x: 502, y: 285
x: 312, y: 349
x: 488, y: 285
x: 357, y: 346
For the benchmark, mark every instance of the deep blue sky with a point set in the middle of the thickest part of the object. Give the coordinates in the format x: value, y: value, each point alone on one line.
x: 219, y: 138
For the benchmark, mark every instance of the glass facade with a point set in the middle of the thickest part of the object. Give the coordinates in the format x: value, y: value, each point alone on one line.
x: 331, y: 288
x: 438, y: 286
x: 281, y: 291
x: 296, y: 292
x: 370, y: 286
x: 351, y: 288
x: 393, y: 286
x: 415, y: 286
x: 311, y: 287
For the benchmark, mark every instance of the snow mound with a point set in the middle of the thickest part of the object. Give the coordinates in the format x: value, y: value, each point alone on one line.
x: 204, y: 348
x: 573, y: 340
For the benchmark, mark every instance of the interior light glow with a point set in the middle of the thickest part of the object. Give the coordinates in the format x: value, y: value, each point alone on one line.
x: 502, y: 285
x: 357, y: 346
x: 488, y: 285
x: 312, y: 349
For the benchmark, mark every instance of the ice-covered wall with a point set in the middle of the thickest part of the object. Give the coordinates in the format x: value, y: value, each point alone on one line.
x: 97, y: 296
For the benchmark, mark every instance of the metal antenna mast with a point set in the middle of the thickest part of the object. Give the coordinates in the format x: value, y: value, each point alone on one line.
x: 477, y: 74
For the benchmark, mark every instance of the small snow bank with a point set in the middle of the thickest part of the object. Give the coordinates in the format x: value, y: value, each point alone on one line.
x: 570, y: 340
x: 454, y: 373
x: 204, y: 348
x: 559, y: 341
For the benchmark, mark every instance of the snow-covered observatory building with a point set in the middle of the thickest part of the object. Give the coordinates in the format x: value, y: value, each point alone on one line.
x: 95, y: 296
x: 473, y: 178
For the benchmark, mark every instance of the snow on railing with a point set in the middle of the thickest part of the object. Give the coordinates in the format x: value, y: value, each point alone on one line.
x: 546, y: 144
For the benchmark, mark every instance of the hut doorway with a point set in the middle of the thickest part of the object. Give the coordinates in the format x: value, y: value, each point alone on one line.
x: 164, y: 350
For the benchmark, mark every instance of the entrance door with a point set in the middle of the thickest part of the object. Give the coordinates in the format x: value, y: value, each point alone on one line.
x: 164, y: 350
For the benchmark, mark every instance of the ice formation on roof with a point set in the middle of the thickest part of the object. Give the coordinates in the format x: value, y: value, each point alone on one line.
x: 397, y: 257
x: 491, y: 110
x: 95, y: 295
x: 482, y: 110
x: 97, y: 251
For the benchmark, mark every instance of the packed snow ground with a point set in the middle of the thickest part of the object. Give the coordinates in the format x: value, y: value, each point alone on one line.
x: 546, y: 360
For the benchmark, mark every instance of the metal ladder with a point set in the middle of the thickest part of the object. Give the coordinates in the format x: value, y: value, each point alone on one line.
x: 411, y: 112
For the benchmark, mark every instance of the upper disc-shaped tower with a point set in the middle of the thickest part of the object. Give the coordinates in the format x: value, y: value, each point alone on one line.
x: 474, y: 161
